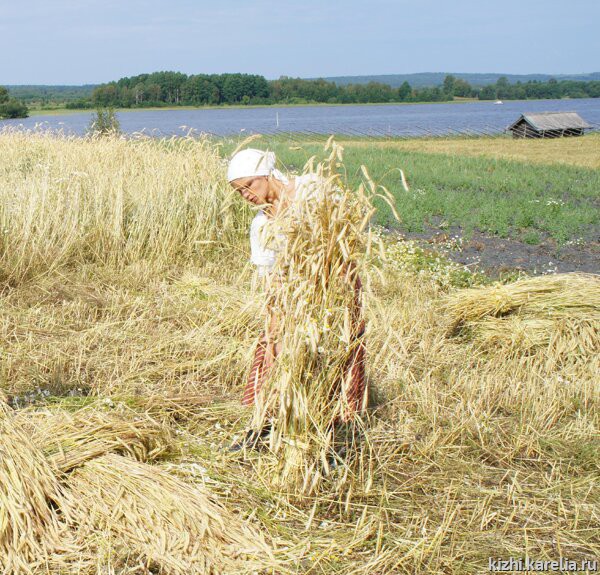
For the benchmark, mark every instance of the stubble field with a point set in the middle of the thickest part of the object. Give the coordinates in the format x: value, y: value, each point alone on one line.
x: 129, y: 316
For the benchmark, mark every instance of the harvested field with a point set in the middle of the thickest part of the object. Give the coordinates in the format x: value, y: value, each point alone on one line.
x: 582, y: 151
x: 127, y: 330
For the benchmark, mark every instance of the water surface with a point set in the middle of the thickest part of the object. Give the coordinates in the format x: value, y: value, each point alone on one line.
x: 370, y: 120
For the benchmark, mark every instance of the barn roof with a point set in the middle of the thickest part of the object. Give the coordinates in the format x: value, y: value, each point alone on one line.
x: 553, y: 121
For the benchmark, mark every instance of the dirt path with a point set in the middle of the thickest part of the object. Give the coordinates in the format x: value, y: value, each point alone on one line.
x: 495, y: 255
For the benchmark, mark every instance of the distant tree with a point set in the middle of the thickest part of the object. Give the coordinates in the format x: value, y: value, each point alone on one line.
x: 233, y: 88
x: 378, y: 92
x: 153, y: 92
x: 11, y: 108
x: 105, y: 95
x: 81, y: 104
x: 502, y: 88
x: 138, y: 93
x: 448, y: 86
x: 462, y: 88
x: 171, y: 84
x: 519, y: 92
x: 554, y: 88
x: 404, y: 92
x: 104, y: 122
x: 593, y: 89
x: 488, y: 93
x: 436, y: 94
x: 199, y: 90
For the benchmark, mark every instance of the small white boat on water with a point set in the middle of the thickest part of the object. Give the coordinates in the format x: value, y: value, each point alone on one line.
x: 498, y: 102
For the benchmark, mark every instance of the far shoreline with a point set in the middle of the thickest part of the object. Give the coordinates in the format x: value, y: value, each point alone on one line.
x: 68, y: 111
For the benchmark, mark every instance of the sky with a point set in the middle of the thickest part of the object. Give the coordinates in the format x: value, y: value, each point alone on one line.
x: 95, y: 41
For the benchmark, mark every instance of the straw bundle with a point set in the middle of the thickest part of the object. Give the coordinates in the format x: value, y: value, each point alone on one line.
x: 67, y: 498
x: 70, y: 439
x: 29, y: 491
x: 324, y: 243
x: 560, y: 295
x: 71, y: 492
x: 156, y: 519
x: 560, y: 314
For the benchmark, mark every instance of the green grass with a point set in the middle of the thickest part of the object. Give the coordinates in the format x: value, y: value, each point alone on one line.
x: 59, y: 108
x: 58, y: 111
x: 502, y: 197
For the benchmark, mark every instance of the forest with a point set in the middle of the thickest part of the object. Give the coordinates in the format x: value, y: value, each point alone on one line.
x: 176, y: 89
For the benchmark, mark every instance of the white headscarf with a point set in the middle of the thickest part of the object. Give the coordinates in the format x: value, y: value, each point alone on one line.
x: 252, y: 162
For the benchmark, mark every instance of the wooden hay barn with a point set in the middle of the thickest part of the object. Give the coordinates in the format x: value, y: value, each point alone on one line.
x: 548, y: 125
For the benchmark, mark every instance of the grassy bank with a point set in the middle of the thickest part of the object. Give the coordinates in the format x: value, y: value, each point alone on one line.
x: 37, y: 111
x: 582, y: 152
x: 58, y: 111
x: 522, y: 190
x: 126, y: 290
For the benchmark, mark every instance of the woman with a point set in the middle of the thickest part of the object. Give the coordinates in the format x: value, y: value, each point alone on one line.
x: 253, y: 174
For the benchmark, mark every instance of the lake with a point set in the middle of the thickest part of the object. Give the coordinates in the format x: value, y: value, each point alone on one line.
x: 366, y: 120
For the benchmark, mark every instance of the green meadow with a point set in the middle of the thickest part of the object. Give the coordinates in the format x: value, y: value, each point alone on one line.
x: 524, y: 200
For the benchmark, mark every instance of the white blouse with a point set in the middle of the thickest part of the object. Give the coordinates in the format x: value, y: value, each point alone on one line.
x: 262, y: 257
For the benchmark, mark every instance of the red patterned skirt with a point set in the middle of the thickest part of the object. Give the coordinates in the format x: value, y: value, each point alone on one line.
x: 354, y: 386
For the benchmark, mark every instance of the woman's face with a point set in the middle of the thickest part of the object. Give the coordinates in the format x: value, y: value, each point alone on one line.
x: 253, y: 189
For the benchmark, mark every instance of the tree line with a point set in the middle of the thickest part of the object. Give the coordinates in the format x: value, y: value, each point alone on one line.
x: 44, y: 95
x: 176, y: 88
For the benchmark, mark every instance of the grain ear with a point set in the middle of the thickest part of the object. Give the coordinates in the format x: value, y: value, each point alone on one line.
x: 310, y: 387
